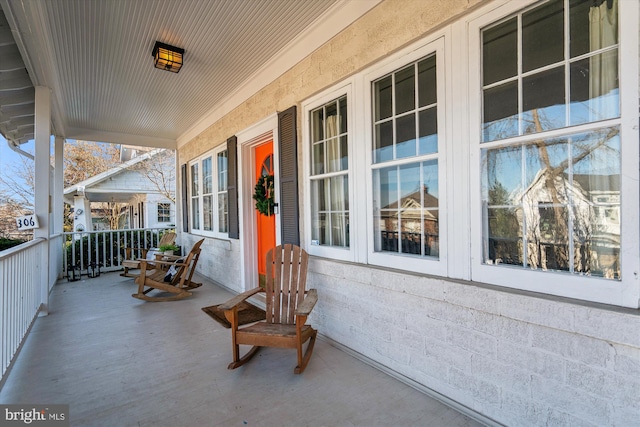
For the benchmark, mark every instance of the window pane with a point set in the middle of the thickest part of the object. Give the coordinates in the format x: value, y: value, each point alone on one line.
x: 594, y: 88
x: 430, y: 184
x: 543, y: 35
x: 344, y: 153
x: 194, y: 180
x: 562, y: 210
x: 384, y: 142
x: 330, y: 205
x: 427, y: 82
x: 405, y: 90
x: 502, y: 175
x: 503, y: 241
x: 319, y: 232
x: 223, y: 221
x: 339, y: 229
x: 431, y: 233
x: 543, y: 101
x: 411, y: 242
x: 500, y: 52
x: 548, y: 237
x: 386, y: 229
x: 207, y: 210
x: 406, y: 136
x: 592, y: 28
x: 387, y: 179
x: 339, y: 193
x: 500, y: 112
x: 334, y: 155
x: 383, y: 98
x: 207, y: 178
x: 223, y: 166
x: 195, y: 214
x: 343, y: 114
x: 318, y: 158
x: 428, y: 131
x: 317, y: 125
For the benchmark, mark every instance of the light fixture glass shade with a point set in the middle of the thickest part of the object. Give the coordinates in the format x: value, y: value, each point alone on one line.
x: 167, y: 57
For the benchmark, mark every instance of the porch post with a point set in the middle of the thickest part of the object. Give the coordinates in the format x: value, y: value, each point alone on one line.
x: 58, y: 187
x: 42, y: 199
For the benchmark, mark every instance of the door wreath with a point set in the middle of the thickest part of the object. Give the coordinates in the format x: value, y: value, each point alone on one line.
x: 263, y: 195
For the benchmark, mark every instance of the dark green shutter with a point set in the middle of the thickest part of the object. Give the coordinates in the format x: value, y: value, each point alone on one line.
x: 185, y: 199
x: 288, y: 147
x: 232, y: 188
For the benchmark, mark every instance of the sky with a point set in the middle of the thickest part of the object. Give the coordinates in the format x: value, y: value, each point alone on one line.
x: 9, y: 158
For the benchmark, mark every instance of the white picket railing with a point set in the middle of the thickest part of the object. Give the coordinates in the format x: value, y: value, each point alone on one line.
x: 21, y: 273
x: 29, y: 271
x: 84, y: 252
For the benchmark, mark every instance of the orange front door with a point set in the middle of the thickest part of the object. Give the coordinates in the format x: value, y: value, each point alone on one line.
x: 265, y: 224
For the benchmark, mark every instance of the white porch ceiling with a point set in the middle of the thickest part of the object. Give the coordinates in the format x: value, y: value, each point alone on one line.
x: 95, y: 56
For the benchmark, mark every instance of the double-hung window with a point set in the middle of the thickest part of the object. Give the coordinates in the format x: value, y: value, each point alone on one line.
x: 406, y: 165
x: 328, y: 171
x: 551, y: 145
x: 209, y: 213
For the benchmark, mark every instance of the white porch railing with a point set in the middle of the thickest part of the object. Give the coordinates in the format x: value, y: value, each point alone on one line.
x: 83, y: 253
x: 20, y: 295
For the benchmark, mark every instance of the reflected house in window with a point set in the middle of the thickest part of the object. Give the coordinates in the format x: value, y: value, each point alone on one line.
x: 563, y: 219
x: 414, y: 212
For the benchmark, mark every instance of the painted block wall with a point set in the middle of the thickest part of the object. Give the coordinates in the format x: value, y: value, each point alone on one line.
x: 520, y: 359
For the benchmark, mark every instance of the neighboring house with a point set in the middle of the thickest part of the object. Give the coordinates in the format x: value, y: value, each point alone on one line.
x: 137, y: 200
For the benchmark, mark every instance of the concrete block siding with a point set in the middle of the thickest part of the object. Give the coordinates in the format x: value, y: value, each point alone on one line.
x: 519, y: 359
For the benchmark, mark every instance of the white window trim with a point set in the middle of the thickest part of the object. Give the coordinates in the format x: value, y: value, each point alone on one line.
x: 327, y: 251
x: 214, y: 182
x: 625, y: 292
x: 424, y: 265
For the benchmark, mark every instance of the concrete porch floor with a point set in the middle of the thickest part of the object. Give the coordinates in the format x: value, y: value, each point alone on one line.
x: 119, y: 361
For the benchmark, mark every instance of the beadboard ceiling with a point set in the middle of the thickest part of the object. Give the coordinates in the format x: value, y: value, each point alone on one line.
x: 95, y: 56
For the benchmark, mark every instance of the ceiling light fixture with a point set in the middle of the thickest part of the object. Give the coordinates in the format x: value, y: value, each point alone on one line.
x: 166, y: 57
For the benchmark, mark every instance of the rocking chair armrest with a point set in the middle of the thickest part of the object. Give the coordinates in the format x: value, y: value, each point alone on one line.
x: 228, y: 305
x: 144, y: 262
x: 307, y: 304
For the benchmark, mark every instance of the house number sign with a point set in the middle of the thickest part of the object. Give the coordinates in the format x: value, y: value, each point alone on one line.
x: 27, y: 222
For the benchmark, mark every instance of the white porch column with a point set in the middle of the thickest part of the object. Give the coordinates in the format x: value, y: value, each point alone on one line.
x: 58, y: 187
x: 42, y: 197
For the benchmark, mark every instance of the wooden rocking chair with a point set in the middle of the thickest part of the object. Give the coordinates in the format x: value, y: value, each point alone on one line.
x: 152, y: 277
x: 132, y: 256
x: 288, y: 305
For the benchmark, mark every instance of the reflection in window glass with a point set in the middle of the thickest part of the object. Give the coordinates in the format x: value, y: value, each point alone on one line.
x: 207, y: 211
x: 406, y: 209
x: 533, y: 97
x: 330, y: 194
x: 553, y: 205
x: 411, y: 129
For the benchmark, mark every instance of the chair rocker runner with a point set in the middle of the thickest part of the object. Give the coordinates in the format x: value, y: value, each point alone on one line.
x: 288, y: 306
x: 133, y: 255
x: 152, y: 277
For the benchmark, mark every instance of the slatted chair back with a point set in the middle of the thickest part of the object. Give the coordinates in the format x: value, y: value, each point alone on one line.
x: 167, y: 238
x: 286, y: 281
x: 185, y: 272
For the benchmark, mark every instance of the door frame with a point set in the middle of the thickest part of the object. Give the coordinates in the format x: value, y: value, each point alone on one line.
x: 248, y: 139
